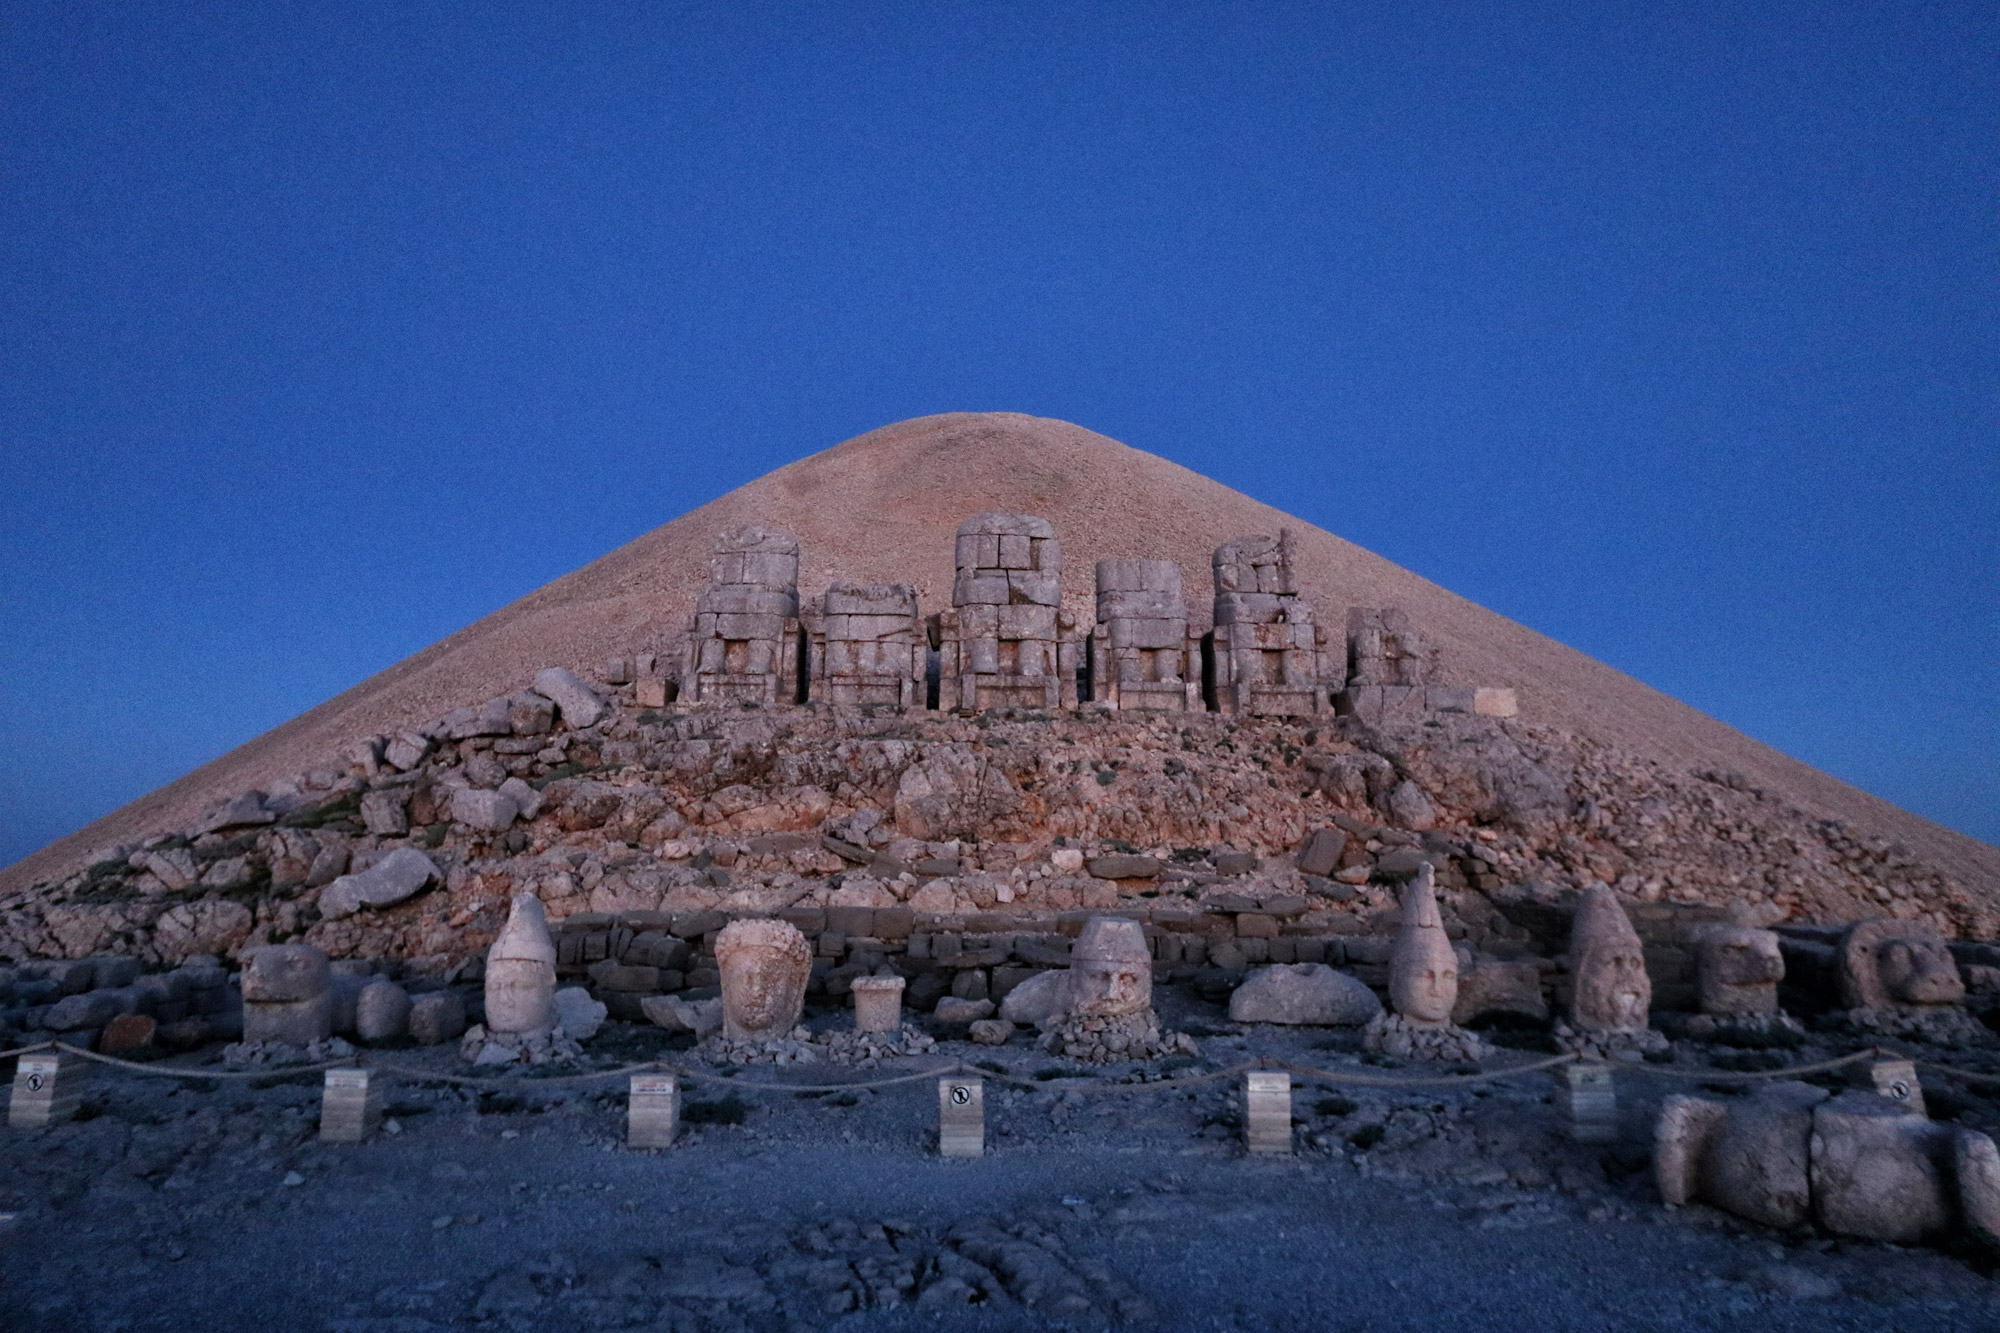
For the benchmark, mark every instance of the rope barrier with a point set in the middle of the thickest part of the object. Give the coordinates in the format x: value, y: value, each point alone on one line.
x: 1076, y: 1084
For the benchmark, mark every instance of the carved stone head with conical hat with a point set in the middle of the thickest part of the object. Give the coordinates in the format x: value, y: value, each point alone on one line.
x: 1111, y: 970
x: 1607, y: 967
x: 1423, y: 970
x: 521, y: 971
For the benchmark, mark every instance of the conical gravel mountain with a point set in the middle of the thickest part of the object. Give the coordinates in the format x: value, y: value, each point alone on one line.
x: 884, y: 507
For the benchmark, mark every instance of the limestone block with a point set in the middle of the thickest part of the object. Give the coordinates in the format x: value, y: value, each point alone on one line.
x: 1879, y: 1173
x: 405, y: 750
x: 1120, y: 866
x: 577, y: 1014
x: 526, y: 799
x: 770, y: 606
x: 1035, y: 587
x: 575, y: 701
x: 703, y: 1018
x: 399, y: 875
x: 386, y: 813
x: 1493, y: 986
x: 382, y: 1011
x: 436, y: 1017
x: 977, y: 550
x: 952, y: 1011
x: 1303, y: 994
x: 1039, y: 1001
x: 1320, y: 854
x: 1492, y: 702
x: 980, y: 590
x: 1976, y: 1168
x: 76, y: 1013
x: 486, y: 811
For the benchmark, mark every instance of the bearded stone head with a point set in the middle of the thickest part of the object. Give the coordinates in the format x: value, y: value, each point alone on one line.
x: 764, y: 966
x: 1111, y: 970
x: 1607, y: 967
x: 1423, y: 970
x: 1888, y: 964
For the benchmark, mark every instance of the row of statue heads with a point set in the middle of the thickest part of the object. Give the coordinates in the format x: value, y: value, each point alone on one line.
x: 1007, y: 640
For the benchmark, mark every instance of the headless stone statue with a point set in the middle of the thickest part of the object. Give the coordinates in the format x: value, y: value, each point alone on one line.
x: 1108, y: 1011
x: 1610, y: 991
x: 1423, y: 985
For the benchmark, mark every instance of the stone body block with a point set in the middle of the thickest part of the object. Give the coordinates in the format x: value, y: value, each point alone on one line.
x: 1140, y: 653
x: 1384, y: 647
x: 1265, y: 655
x: 745, y: 642
x: 1007, y: 642
x: 484, y: 811
x: 382, y: 1011
x: 436, y: 1017
x: 869, y: 646
x: 1879, y: 1172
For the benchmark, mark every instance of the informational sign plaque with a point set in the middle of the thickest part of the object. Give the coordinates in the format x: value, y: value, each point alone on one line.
x: 653, y: 1115
x: 961, y: 1117
x: 46, y: 1088
x: 1267, y: 1111
x: 1593, y: 1103
x: 350, y: 1107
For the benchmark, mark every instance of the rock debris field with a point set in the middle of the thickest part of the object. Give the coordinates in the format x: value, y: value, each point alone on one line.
x: 176, y: 1203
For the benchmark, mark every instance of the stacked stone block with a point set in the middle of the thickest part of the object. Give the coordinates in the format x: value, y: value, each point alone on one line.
x: 1006, y: 641
x: 1268, y: 656
x: 868, y: 646
x: 1140, y: 652
x: 1394, y: 672
x: 744, y: 642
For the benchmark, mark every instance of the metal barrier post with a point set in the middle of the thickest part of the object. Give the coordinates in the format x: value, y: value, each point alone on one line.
x: 961, y: 1117
x: 1267, y: 1111
x: 47, y: 1088
x: 1593, y: 1103
x: 653, y: 1113
x: 350, y: 1106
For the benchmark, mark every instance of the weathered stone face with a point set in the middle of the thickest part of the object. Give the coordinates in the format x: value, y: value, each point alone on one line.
x: 1423, y: 970
x: 1887, y: 964
x: 1607, y: 967
x: 521, y: 971
x: 1111, y: 972
x: 764, y: 966
x: 1739, y: 969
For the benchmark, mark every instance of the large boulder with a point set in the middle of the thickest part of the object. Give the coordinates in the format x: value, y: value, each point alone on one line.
x: 212, y: 926
x: 577, y: 1014
x: 381, y: 1011
x: 576, y: 701
x: 1303, y: 994
x: 1039, y: 1001
x: 399, y: 875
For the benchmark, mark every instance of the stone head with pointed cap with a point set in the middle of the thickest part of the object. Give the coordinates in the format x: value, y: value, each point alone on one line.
x: 1111, y: 970
x: 521, y: 971
x: 1423, y: 970
x: 1607, y: 967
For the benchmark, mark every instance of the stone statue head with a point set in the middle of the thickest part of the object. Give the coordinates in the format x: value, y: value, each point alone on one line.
x: 521, y: 971
x: 1889, y: 964
x: 279, y: 973
x: 1110, y: 970
x: 764, y: 965
x: 1607, y: 967
x: 1738, y: 969
x: 1423, y: 970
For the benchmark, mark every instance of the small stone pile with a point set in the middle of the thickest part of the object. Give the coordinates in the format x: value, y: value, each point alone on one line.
x: 1392, y: 1034
x: 481, y: 1046
x: 1104, y: 1038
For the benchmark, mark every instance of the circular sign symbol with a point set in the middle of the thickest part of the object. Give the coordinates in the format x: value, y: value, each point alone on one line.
x: 34, y: 1083
x: 960, y: 1095
x: 1900, y: 1090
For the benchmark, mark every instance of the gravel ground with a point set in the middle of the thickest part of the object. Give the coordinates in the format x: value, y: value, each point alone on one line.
x: 181, y: 1205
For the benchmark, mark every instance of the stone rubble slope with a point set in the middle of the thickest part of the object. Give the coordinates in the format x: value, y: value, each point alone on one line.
x: 410, y: 845
x: 881, y: 508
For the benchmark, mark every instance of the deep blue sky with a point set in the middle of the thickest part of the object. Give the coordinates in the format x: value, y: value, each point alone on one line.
x: 1669, y: 331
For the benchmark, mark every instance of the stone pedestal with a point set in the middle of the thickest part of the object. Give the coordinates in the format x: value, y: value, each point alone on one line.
x: 1593, y: 1103
x: 878, y: 1003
